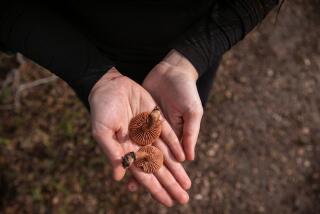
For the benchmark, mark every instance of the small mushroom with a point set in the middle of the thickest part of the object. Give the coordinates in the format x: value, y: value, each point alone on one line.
x: 128, y: 159
x: 145, y: 128
x: 148, y: 158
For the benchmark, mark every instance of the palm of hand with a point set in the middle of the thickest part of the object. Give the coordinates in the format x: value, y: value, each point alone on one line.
x: 111, y: 112
x: 177, y: 95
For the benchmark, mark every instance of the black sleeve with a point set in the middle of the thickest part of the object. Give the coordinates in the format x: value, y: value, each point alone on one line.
x: 226, y: 24
x: 45, y: 37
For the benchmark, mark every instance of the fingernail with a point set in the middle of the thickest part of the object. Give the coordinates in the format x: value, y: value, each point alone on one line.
x: 182, y: 158
x: 187, y: 184
x: 193, y: 155
x: 185, y: 198
x: 169, y: 204
x: 190, y: 157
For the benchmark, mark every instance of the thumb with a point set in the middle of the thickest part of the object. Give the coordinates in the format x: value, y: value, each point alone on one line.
x: 112, y: 148
x: 191, y: 127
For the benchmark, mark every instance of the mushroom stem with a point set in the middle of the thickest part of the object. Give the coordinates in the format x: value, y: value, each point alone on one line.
x: 152, y: 119
x: 130, y: 157
x: 141, y: 155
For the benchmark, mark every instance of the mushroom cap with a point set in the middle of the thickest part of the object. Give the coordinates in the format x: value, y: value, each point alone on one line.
x: 141, y: 135
x: 151, y: 161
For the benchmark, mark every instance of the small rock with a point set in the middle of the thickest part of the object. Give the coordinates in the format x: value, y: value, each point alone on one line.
x: 261, y: 209
x: 216, y: 146
x: 228, y: 94
x: 289, y: 172
x: 307, y: 61
x: 55, y: 200
x: 198, y: 197
x: 270, y: 72
x: 307, y: 164
x: 211, y: 153
x: 305, y: 130
x: 300, y: 152
x: 214, y: 135
x: 243, y: 79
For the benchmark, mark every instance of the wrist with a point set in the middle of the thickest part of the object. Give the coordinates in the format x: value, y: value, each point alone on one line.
x: 177, y: 60
x: 110, y: 75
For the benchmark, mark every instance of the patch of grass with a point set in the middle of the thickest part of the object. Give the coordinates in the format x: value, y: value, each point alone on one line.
x: 4, y: 141
x: 67, y: 128
x: 5, y: 95
x: 37, y: 194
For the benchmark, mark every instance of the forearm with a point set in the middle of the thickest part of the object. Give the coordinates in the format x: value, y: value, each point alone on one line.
x: 52, y: 42
x: 226, y: 24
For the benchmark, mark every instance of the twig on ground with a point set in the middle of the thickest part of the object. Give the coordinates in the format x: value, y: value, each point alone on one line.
x: 14, y: 78
x: 29, y: 85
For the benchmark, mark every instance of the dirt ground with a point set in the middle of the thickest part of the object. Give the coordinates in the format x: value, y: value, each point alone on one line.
x: 258, y: 150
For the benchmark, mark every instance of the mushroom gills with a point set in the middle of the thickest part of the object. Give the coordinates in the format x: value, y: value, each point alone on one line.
x: 145, y: 128
x: 148, y: 158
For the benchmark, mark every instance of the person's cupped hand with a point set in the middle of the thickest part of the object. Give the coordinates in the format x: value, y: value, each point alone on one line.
x: 172, y: 83
x: 114, y: 101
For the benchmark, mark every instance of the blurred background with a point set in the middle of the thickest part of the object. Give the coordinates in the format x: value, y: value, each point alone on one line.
x: 258, y: 150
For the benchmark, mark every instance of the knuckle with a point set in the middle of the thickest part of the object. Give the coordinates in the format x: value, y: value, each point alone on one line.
x: 199, y: 110
x: 156, y: 189
x: 175, y: 166
x: 187, y: 133
x: 147, y: 180
x: 171, y: 184
x: 196, y: 110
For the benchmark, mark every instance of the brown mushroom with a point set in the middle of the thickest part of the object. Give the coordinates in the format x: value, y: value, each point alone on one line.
x: 145, y: 128
x: 148, y: 158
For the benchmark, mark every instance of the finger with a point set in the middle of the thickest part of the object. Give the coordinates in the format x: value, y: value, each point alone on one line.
x: 191, y: 129
x: 176, y: 122
x: 171, y: 185
x: 113, y: 150
x: 170, y: 138
x: 133, y: 185
x: 177, y: 128
x: 174, y: 166
x: 151, y: 183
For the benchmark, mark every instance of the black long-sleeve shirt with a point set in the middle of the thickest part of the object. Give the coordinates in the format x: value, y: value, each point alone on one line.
x: 80, y: 40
